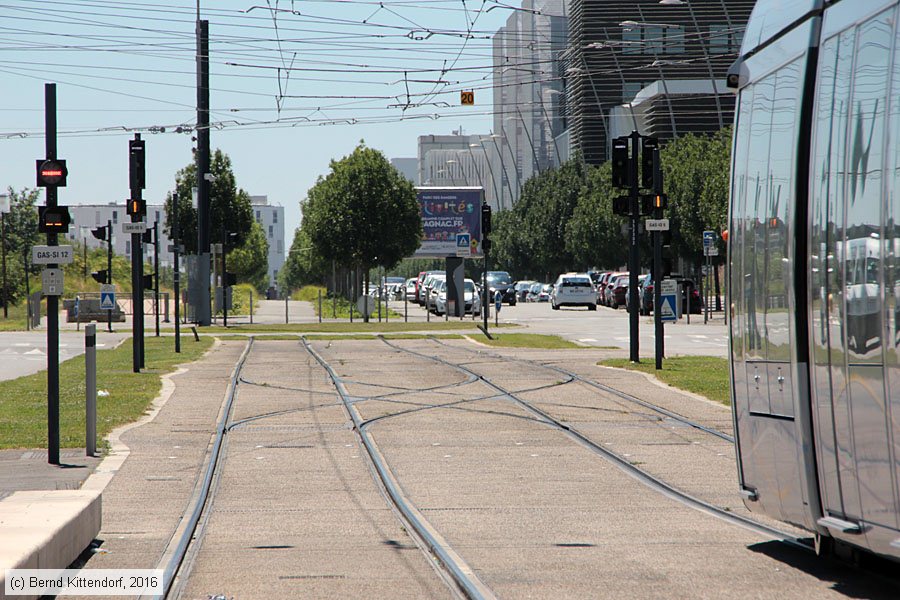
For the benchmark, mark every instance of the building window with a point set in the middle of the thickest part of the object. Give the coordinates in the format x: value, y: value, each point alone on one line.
x: 630, y: 89
x: 279, y: 246
x: 724, y: 39
x: 157, y: 216
x: 115, y: 216
x: 127, y: 246
x: 631, y: 40
x: 275, y: 216
x: 271, y: 231
x: 258, y: 217
x: 674, y: 40
x: 97, y: 217
x: 275, y: 274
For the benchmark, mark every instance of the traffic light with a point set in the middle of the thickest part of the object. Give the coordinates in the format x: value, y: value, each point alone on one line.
x: 51, y: 173
x: 621, y: 206
x: 147, y: 237
x: 649, y: 162
x: 485, y: 220
x: 147, y: 282
x: 99, y: 233
x: 651, y: 202
x: 621, y: 164
x: 101, y: 276
x: 136, y: 172
x: 53, y: 219
x: 137, y: 207
x: 230, y: 279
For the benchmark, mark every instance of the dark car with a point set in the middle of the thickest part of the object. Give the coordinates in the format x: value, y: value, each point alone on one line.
x: 685, y: 283
x: 502, y: 282
x: 617, y: 291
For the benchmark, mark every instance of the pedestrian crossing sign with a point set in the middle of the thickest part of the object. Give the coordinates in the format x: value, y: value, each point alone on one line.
x: 107, y: 300
x: 667, y: 308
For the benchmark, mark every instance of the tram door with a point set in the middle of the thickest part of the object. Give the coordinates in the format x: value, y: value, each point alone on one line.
x: 846, y: 278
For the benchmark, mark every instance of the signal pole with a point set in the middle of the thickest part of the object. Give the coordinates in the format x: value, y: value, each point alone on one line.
x: 203, y: 312
x: 137, y: 209
x: 109, y: 254
x: 156, y: 273
x: 176, y: 275
x: 634, y: 259
x: 52, y: 300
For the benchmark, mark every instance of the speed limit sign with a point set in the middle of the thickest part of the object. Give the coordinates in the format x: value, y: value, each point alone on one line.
x: 467, y: 97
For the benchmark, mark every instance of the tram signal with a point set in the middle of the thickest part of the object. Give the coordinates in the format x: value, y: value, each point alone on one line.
x: 136, y: 207
x: 621, y: 164
x: 649, y: 162
x: 621, y: 206
x: 652, y: 202
x: 485, y: 220
x: 147, y: 237
x: 230, y: 279
x: 51, y: 173
x: 101, y: 276
x: 99, y: 233
x: 53, y: 219
x: 147, y: 282
x: 136, y: 160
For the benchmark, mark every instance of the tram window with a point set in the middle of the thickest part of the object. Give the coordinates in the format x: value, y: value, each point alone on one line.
x: 739, y: 221
x: 754, y: 263
x: 892, y: 220
x: 864, y: 194
x: 779, y: 259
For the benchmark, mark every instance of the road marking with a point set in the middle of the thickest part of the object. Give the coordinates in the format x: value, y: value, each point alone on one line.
x: 35, y: 351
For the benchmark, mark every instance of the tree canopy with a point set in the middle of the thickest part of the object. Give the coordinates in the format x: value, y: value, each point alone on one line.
x: 229, y: 205
x: 21, y: 225
x: 250, y: 261
x: 362, y: 214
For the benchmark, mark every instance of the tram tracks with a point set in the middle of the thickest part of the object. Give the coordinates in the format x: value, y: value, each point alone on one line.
x: 627, y: 466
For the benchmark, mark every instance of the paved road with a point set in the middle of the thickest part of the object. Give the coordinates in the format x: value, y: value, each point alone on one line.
x: 25, y: 352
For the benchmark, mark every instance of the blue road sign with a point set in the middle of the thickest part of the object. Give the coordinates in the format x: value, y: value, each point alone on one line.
x: 709, y: 238
x: 463, y: 244
x: 107, y: 300
x: 669, y: 293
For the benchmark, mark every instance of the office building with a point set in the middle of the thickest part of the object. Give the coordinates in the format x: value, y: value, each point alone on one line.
x: 271, y: 218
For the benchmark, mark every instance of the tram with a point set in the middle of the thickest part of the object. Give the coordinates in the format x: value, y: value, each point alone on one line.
x: 814, y: 269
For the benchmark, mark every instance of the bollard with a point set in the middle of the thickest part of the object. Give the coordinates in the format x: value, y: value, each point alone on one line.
x: 320, y: 306
x: 405, y: 308
x: 251, y: 307
x: 285, y: 309
x: 90, y: 389
x: 334, y: 304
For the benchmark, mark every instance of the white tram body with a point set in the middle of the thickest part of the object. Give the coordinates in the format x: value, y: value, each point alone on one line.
x: 814, y: 268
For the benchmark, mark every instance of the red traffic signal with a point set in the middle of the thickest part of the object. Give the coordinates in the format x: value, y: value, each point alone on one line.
x: 51, y: 173
x: 53, y: 219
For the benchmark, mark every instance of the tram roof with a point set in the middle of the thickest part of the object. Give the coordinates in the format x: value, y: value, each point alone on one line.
x: 772, y: 17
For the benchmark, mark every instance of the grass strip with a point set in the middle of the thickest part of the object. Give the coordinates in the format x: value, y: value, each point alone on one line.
x: 703, y: 375
x: 23, y: 401
x: 372, y: 327
x: 525, y: 340
x: 338, y: 308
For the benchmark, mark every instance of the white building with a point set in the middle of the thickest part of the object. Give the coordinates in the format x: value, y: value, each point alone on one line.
x: 456, y: 160
x: 271, y: 218
x: 86, y: 217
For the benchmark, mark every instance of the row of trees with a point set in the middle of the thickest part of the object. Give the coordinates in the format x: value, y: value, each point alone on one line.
x: 364, y: 215
x: 21, y: 224
x: 564, y: 221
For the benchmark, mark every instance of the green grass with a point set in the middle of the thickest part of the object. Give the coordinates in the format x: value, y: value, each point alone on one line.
x: 703, y: 375
x: 339, y: 309
x: 23, y: 401
x: 16, y: 320
x: 525, y: 340
x: 346, y: 327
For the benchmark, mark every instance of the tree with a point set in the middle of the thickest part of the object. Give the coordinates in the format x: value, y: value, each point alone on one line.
x: 696, y: 174
x: 250, y: 261
x: 363, y: 213
x: 594, y: 234
x: 21, y: 234
x: 229, y: 206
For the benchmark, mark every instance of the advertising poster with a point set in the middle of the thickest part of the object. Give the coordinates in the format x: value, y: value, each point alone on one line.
x: 450, y: 216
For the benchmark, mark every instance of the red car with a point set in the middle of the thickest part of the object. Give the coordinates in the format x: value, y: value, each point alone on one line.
x: 617, y: 290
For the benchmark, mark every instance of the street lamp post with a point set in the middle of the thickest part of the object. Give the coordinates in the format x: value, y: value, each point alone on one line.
x: 4, y: 208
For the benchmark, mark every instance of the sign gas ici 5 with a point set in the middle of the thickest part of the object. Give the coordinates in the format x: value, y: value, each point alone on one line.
x: 447, y: 212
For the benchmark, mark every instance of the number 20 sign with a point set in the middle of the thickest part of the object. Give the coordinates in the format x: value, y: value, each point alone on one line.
x: 467, y: 97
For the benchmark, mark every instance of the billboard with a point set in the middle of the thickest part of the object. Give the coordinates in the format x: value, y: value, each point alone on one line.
x: 451, y: 221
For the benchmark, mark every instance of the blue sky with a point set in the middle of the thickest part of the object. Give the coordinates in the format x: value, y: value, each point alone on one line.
x: 286, y: 76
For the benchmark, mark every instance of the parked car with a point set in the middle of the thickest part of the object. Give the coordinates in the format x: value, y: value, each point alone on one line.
x: 470, y: 295
x: 617, y: 290
x: 393, y: 287
x: 602, y: 282
x: 420, y: 289
x: 411, y: 289
x: 696, y: 299
x: 546, y: 290
x: 573, y: 289
x: 522, y: 289
x: 502, y: 282
x: 607, y: 289
x: 642, y: 279
x: 534, y: 292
